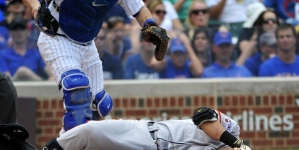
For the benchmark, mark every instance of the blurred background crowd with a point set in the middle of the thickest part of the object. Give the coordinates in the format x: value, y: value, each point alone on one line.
x: 209, y: 39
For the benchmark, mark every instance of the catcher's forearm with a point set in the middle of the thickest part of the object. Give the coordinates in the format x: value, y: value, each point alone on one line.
x: 143, y: 15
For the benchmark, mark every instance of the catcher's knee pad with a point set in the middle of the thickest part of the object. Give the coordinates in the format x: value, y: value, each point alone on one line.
x: 77, y: 98
x: 204, y: 114
x: 102, y: 103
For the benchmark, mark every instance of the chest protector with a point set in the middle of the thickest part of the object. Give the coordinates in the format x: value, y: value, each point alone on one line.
x: 81, y: 20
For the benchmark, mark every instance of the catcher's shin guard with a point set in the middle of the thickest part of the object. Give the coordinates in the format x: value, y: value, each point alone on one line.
x: 102, y: 103
x: 77, y: 98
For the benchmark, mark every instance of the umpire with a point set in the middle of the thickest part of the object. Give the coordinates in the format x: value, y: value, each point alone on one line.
x: 8, y: 100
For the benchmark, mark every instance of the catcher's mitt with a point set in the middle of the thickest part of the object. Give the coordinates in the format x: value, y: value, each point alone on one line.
x: 152, y: 33
x: 45, y: 21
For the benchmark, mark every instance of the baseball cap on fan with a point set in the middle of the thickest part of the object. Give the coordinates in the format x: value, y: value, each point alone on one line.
x: 176, y: 45
x: 17, y: 23
x: 268, y: 38
x: 223, y: 38
x: 253, y: 11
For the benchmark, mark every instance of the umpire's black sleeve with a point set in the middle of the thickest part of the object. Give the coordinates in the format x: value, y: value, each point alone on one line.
x: 8, y: 100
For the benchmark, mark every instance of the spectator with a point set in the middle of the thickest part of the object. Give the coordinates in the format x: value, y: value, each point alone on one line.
x: 2, y: 7
x: 181, y: 6
x: 118, y: 11
x: 4, y: 37
x: 33, y: 35
x: 285, y: 9
x: 8, y: 100
x: 177, y: 65
x: 266, y: 21
x: 230, y: 12
x: 18, y: 62
x: 286, y: 62
x: 267, y: 49
x: 138, y: 66
x: 201, y: 45
x: 118, y: 44
x: 162, y: 17
x: 198, y: 17
x: 223, y: 67
x: 14, y: 9
x: 112, y: 66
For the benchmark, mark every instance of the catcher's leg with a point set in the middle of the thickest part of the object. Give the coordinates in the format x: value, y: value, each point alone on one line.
x: 77, y: 98
x: 206, y: 119
x: 92, y: 65
x: 102, y: 104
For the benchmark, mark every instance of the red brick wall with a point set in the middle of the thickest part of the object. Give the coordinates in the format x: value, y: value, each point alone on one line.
x: 50, y: 112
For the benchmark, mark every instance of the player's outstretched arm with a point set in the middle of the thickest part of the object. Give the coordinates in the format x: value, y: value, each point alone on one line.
x: 207, y: 120
x: 33, y: 5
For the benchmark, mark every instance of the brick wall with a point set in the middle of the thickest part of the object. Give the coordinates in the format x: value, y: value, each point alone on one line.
x: 50, y: 112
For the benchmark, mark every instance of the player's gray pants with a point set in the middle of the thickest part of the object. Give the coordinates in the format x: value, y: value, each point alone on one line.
x: 134, y: 135
x: 62, y: 55
x: 108, y: 135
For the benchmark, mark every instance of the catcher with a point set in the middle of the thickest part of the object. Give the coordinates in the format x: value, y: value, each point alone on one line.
x: 67, y: 47
x: 210, y: 130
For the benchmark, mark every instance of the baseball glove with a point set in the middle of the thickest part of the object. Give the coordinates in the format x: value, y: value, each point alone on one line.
x: 152, y: 33
x: 45, y: 21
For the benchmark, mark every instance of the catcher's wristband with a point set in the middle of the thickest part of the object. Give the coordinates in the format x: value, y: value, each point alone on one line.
x: 148, y: 21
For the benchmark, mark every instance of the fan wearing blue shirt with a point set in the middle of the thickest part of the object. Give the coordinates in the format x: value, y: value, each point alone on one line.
x: 19, y: 62
x: 267, y: 49
x: 223, y: 67
x: 118, y: 11
x: 182, y: 61
x: 112, y: 65
x: 286, y: 63
x: 137, y: 66
x: 2, y: 7
x: 118, y: 43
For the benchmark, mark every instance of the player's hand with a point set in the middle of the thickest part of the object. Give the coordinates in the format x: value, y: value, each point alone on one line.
x: 35, y: 10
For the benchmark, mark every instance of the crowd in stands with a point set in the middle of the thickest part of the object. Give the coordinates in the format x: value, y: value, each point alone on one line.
x: 209, y: 39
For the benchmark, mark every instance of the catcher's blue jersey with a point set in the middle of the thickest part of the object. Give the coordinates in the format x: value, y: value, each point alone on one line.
x: 81, y: 20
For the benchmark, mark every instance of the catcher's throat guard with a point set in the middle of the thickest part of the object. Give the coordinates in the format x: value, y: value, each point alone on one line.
x: 45, y: 21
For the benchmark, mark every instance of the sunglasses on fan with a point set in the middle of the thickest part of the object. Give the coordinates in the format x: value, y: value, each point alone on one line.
x: 101, y: 37
x: 267, y: 21
x: 197, y: 11
x: 160, y: 12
